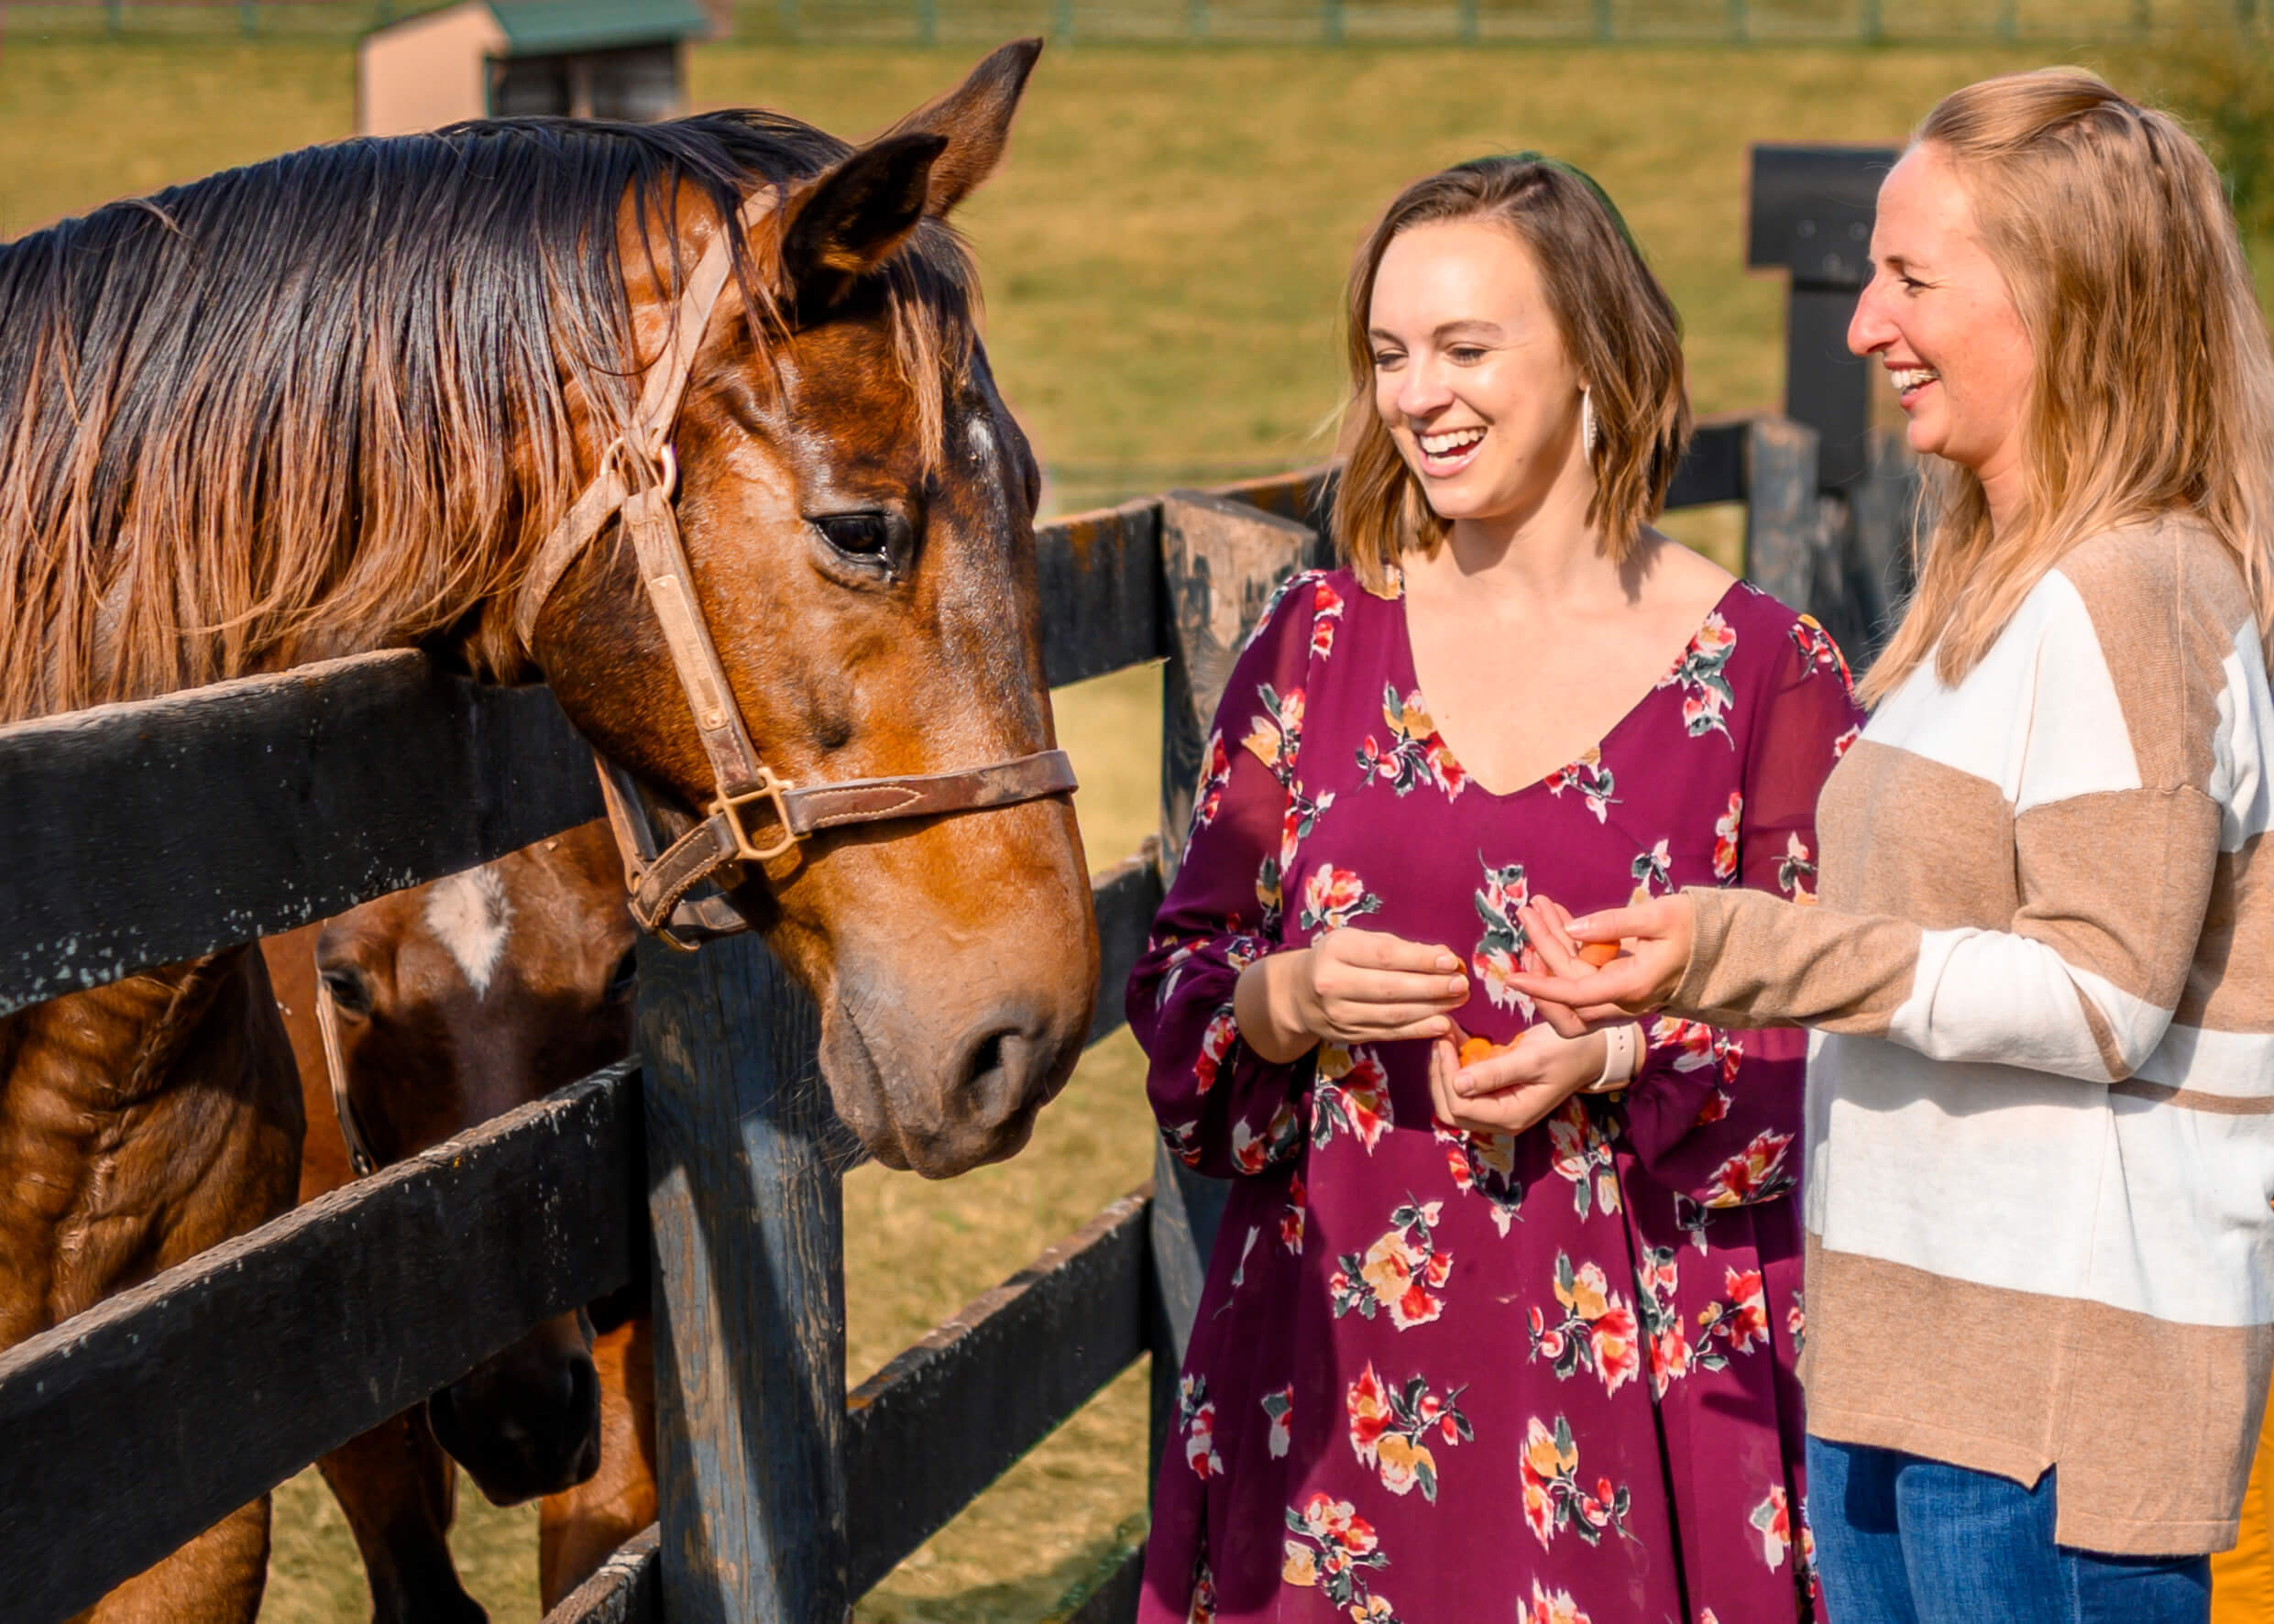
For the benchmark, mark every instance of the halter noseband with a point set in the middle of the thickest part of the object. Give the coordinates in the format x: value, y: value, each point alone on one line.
x: 637, y: 479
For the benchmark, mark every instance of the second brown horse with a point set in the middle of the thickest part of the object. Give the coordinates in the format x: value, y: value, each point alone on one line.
x: 455, y: 1002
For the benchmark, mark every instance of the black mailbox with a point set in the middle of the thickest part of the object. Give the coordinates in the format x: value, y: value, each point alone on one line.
x: 1811, y: 215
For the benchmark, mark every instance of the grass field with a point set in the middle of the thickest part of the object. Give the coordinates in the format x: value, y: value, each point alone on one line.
x: 1163, y: 252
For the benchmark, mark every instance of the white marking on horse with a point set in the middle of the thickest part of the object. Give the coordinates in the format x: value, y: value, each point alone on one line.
x: 469, y: 914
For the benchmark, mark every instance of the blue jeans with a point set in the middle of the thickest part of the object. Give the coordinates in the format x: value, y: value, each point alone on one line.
x: 1905, y: 1540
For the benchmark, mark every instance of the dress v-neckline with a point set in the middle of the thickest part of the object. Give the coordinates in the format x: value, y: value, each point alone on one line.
x: 1594, y: 752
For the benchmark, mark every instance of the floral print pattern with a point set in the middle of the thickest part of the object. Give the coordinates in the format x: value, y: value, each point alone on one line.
x: 1591, y: 779
x: 1387, y: 1426
x: 1597, y: 1332
x: 1330, y: 1546
x: 1725, y: 832
x: 1484, y: 1165
x: 1702, y: 678
x: 1352, y: 1097
x: 1580, y: 1151
x: 1554, y: 1498
x: 1551, y: 1606
x: 1353, y: 1440
x: 1498, y: 952
x: 1756, y: 1173
x: 1414, y: 755
x: 1404, y: 1271
x: 1333, y: 897
x: 1275, y: 734
x: 1797, y: 871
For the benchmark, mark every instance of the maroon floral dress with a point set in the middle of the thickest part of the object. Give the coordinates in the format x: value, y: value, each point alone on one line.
x: 1440, y: 1377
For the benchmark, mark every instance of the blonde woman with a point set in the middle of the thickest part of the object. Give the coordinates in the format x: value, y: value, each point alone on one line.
x: 1526, y: 1352
x: 2040, y: 1264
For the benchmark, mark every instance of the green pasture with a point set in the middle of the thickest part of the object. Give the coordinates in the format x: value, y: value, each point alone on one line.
x: 1164, y: 253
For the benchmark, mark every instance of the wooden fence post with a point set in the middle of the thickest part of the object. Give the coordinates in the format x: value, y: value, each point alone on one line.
x: 1220, y: 559
x: 1783, y: 529
x: 743, y: 1155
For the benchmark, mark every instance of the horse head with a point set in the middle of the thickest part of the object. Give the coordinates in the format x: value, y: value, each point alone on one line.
x: 348, y: 398
x: 857, y: 508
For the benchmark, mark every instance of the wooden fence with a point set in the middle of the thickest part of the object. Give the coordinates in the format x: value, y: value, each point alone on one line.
x: 135, y: 835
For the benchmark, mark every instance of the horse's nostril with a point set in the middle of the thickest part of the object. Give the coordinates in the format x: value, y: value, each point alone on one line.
x: 987, y: 1056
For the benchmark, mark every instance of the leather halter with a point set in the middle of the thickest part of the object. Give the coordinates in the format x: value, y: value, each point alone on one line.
x: 636, y: 480
x: 336, y: 1069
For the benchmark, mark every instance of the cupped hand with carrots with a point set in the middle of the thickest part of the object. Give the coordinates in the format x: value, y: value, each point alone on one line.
x: 1506, y: 1088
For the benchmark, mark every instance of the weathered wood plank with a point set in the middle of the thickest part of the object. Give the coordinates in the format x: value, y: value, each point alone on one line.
x: 139, y: 834
x: 1306, y: 496
x: 1127, y: 897
x: 1099, y: 575
x: 1114, y: 1598
x: 1713, y: 468
x: 628, y: 1588
x: 1221, y: 560
x: 1785, y: 532
x: 132, y: 1427
x: 946, y: 1418
x: 748, y: 1289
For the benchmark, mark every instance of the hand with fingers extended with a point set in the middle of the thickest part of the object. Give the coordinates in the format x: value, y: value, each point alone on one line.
x: 1348, y: 986
x: 1605, y: 967
x: 1485, y: 1089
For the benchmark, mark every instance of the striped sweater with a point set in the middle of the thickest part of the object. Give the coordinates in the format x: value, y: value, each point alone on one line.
x: 2041, y: 1095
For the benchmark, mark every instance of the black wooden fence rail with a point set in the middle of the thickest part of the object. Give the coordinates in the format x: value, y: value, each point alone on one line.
x: 139, y: 834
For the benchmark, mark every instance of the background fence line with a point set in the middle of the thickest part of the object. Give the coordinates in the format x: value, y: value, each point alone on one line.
x: 1261, y: 22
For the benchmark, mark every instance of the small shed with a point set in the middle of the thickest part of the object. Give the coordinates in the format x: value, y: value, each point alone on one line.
x: 496, y: 59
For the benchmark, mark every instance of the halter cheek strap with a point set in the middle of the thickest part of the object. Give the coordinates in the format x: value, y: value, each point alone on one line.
x: 336, y: 1067
x: 752, y: 815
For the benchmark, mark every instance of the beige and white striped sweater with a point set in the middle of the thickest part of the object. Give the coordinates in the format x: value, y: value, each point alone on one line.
x: 2041, y: 1092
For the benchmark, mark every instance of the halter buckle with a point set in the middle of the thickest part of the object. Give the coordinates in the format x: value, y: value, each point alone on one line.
x: 768, y: 788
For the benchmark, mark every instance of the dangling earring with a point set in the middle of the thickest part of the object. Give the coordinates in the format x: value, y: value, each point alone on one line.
x: 1590, y: 432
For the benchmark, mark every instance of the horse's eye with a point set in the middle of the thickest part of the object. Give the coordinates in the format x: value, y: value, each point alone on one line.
x: 624, y: 980
x: 351, y: 995
x: 863, y: 536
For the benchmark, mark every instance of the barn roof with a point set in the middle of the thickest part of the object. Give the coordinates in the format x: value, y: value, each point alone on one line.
x: 543, y: 27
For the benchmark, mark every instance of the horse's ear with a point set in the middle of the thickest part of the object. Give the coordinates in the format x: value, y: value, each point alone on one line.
x: 976, y: 119
x: 855, y: 216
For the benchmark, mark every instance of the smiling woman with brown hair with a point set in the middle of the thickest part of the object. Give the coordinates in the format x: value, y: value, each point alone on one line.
x: 1526, y: 1346
x: 2041, y: 1261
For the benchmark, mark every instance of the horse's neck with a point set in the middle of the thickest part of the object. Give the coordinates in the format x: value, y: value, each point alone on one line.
x: 124, y: 1114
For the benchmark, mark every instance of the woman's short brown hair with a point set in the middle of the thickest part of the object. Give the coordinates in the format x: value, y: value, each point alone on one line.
x: 1616, y: 324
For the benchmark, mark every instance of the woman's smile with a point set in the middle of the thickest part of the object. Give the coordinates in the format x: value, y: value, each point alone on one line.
x: 1910, y: 382
x: 1445, y: 452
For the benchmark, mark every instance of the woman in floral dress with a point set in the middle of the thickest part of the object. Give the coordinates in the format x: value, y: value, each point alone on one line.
x: 1513, y: 1338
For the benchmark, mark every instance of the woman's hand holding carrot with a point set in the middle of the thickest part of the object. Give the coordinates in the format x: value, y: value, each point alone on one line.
x: 1347, y: 986
x: 1652, y: 939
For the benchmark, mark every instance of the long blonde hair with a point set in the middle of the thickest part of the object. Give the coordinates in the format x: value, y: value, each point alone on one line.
x: 2151, y: 390
x: 1616, y: 324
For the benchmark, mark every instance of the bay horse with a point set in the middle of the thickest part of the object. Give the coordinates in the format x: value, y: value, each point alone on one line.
x: 449, y: 1003
x: 692, y: 421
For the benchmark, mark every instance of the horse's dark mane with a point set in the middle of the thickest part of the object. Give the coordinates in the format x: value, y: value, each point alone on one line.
x: 322, y: 404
